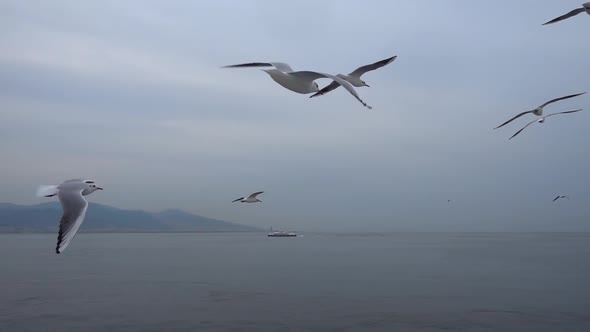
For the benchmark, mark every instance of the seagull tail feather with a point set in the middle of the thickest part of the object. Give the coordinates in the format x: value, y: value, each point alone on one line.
x: 47, y: 191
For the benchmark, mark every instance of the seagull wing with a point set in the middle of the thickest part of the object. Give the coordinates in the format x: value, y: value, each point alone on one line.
x: 566, y: 112
x: 330, y: 87
x: 237, y: 199
x: 514, y: 118
x: 74, y: 209
x: 518, y: 132
x: 255, y: 194
x: 285, y: 68
x: 251, y: 64
x: 556, y: 198
x: 73, y: 180
x: 278, y: 65
x: 562, y: 98
x: 568, y: 15
x: 312, y: 76
x: 361, y: 70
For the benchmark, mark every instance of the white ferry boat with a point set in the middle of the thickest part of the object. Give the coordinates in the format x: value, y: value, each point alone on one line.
x: 281, y: 233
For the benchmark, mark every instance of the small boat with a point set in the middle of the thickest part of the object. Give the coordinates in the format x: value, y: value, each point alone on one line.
x: 281, y: 233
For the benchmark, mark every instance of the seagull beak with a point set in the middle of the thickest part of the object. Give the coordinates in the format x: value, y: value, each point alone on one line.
x: 368, y: 86
x: 99, y: 188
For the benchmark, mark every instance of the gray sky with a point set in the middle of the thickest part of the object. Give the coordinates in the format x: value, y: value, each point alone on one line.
x: 130, y: 94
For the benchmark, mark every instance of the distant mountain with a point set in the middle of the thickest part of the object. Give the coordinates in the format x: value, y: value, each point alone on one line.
x: 102, y: 218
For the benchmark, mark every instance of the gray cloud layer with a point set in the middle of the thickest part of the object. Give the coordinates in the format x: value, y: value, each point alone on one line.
x: 130, y: 94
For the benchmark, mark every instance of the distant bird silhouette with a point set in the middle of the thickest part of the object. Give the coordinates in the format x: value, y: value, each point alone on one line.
x: 558, y: 197
x: 250, y: 199
x: 539, y: 110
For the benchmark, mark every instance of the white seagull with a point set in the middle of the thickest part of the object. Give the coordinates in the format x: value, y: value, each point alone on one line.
x: 298, y: 81
x: 542, y: 120
x: 585, y: 8
x: 70, y: 194
x: 250, y: 199
x: 354, y: 77
x: 560, y: 196
x: 539, y: 110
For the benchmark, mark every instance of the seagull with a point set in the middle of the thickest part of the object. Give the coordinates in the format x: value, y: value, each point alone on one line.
x: 298, y: 81
x: 539, y: 110
x: 558, y: 197
x: 250, y: 199
x: 354, y: 78
x: 585, y: 8
x: 70, y: 194
x: 542, y: 120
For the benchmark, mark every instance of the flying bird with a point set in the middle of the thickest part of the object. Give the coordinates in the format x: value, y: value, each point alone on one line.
x: 539, y: 110
x: 298, y: 81
x: 542, y: 120
x: 585, y: 8
x: 71, y: 195
x: 558, y: 197
x: 354, y: 77
x: 250, y: 199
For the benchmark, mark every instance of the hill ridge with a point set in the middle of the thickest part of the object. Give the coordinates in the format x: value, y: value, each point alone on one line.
x: 44, y: 217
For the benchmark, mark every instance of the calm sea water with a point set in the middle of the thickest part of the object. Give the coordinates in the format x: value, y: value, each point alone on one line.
x: 319, y: 282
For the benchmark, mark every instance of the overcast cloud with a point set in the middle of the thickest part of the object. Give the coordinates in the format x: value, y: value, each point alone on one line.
x: 131, y: 94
